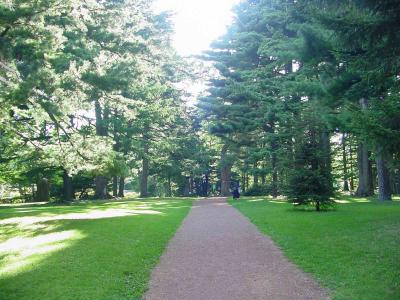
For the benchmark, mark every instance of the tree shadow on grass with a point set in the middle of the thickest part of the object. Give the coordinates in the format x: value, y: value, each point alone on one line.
x: 87, y: 258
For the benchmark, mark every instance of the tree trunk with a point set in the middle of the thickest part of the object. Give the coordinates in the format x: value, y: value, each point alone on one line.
x: 116, y: 148
x: 225, y: 180
x: 101, y: 187
x: 101, y: 130
x: 68, y: 188
x: 351, y: 168
x: 385, y: 193
x: 205, y: 185
x: 243, y: 181
x: 121, y: 187
x: 199, y: 187
x: 20, y: 191
x: 169, y: 187
x: 396, y: 182
x: 255, y: 177
x: 274, y: 182
x: 326, y: 159
x: 186, y: 191
x: 270, y: 129
x: 145, y: 170
x: 43, y: 187
x: 344, y: 156
x: 365, y: 183
x: 225, y: 173
x: 115, y: 186
x: 365, y: 179
x: 191, y: 185
x: 33, y: 192
x: 274, y: 169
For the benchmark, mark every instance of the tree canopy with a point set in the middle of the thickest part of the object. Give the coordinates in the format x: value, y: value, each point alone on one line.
x: 302, y: 101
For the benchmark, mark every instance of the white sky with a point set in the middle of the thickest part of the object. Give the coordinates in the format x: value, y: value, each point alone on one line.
x: 197, y: 22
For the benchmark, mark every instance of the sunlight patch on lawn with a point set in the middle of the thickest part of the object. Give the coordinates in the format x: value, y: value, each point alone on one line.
x: 361, y: 200
x: 19, y: 210
x: 347, y: 200
x: 22, y: 204
x: 22, y: 253
x: 277, y: 201
x: 342, y: 201
x: 256, y: 200
x: 24, y: 222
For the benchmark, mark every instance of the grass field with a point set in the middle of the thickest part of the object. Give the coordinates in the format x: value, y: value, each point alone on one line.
x: 98, y: 250
x: 354, y: 250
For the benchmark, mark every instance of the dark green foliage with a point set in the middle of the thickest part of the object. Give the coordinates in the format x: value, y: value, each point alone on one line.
x: 292, y: 75
x: 307, y: 186
x: 80, y: 85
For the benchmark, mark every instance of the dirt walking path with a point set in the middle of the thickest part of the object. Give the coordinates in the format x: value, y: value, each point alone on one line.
x: 217, y: 254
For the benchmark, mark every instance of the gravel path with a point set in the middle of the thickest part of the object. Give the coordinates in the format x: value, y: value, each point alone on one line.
x: 218, y: 254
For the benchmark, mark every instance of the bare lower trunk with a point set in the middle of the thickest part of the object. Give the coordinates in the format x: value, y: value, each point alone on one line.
x: 121, y: 187
x: 115, y: 186
x: 198, y: 186
x: 145, y: 171
x: 274, y: 173
x: 243, y: 182
x: 101, y: 130
x: 326, y: 159
x: 191, y: 185
x: 274, y: 159
x: 169, y: 187
x: 67, y: 187
x: 205, y: 185
x: 351, y: 168
x: 255, y: 178
x: 365, y: 179
x: 102, y: 116
x: 43, y: 187
x: 33, y: 192
x: 395, y: 178
x: 144, y: 178
x: 274, y: 183
x: 225, y: 180
x: 365, y: 182
x: 225, y: 173
x: 186, y: 191
x: 344, y: 160
x: 101, y: 187
x: 385, y: 193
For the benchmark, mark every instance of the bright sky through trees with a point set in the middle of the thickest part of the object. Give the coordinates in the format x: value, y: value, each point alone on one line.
x: 197, y: 23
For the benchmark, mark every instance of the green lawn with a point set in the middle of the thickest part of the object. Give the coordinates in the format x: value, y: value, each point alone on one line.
x: 354, y: 250
x: 98, y: 250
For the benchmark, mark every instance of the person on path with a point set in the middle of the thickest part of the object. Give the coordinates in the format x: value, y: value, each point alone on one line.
x: 236, y: 192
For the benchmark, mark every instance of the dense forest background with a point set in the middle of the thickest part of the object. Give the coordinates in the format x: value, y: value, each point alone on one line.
x: 303, y: 101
